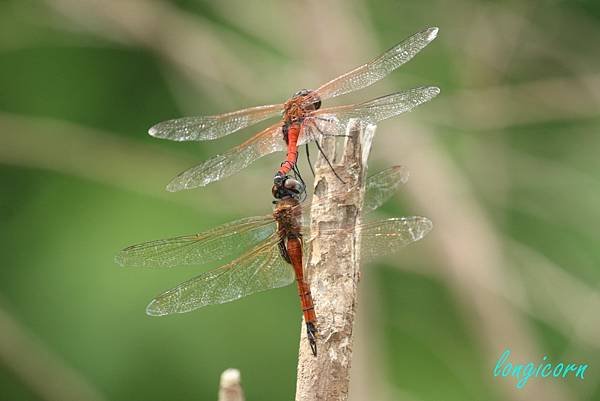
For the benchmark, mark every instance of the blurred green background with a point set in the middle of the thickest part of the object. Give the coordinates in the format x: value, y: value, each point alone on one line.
x: 504, y: 162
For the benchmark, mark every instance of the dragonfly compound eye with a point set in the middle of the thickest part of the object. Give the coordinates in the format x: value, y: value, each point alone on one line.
x: 310, y: 99
x: 302, y: 92
x: 313, y: 99
x: 316, y: 101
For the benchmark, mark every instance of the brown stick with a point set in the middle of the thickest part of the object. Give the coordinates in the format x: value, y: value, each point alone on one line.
x: 333, y: 266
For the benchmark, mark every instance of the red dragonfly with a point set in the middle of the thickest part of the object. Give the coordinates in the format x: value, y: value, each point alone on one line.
x: 274, y: 241
x: 303, y: 119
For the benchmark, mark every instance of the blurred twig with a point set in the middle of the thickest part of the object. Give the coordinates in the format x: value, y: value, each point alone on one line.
x: 230, y: 388
x: 546, y: 297
x: 80, y: 151
x: 96, y: 155
x: 518, y: 104
x: 470, y: 254
x: 49, y: 377
x: 186, y: 42
x: 537, y: 290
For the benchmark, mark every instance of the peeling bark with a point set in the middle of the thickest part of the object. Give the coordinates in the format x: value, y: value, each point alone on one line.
x: 333, y: 265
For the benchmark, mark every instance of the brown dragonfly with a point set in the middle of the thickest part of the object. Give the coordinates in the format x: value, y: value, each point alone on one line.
x: 268, y: 245
x: 303, y: 119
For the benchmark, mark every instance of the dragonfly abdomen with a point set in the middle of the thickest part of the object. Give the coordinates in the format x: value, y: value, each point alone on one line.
x: 294, y: 251
x: 291, y: 135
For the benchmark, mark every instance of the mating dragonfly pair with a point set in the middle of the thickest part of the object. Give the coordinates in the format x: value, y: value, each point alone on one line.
x: 271, y: 243
x: 268, y: 244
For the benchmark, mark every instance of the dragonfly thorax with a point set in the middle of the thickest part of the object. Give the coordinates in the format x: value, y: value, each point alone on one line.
x: 288, y: 214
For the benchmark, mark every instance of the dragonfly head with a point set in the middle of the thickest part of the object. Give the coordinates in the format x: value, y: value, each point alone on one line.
x: 290, y: 188
x: 310, y: 99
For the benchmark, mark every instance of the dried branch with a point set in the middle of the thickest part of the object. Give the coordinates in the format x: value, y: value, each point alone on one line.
x: 42, y: 371
x: 230, y: 388
x: 333, y: 265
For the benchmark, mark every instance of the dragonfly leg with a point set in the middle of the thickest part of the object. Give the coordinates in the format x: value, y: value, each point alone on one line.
x: 311, y: 334
x: 322, y: 134
x: 283, y: 251
x: 328, y: 162
x: 312, y: 170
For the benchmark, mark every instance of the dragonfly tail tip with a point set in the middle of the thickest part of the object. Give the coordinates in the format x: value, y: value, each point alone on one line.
x: 311, y: 334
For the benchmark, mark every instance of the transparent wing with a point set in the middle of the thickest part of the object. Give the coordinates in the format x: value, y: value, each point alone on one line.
x: 226, y: 240
x: 212, y: 127
x: 220, y: 166
x: 381, y: 186
x: 377, y: 69
x: 258, y: 270
x: 335, y: 120
x: 378, y: 189
x: 384, y: 237
x: 331, y: 120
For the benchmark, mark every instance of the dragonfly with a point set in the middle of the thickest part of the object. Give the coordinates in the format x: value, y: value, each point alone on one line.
x: 267, y: 246
x: 303, y: 119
